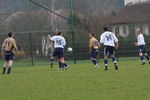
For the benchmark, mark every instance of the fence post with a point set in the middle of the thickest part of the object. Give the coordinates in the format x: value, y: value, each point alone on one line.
x: 31, y: 49
x: 71, y: 27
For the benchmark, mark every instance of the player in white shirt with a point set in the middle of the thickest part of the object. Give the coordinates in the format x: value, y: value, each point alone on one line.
x: 59, y: 43
x: 110, y: 42
x: 141, y: 44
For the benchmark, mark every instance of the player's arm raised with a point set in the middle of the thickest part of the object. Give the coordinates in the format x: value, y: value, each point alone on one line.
x: 49, y: 36
x: 52, y: 38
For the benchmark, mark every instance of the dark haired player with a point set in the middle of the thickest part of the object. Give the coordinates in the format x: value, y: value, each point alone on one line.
x: 141, y: 44
x: 93, y: 49
x: 59, y: 43
x: 7, y: 51
x: 110, y: 42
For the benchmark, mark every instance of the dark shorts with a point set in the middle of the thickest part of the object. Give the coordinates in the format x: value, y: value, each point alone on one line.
x: 58, y: 52
x: 109, y: 50
x: 9, y: 55
x: 142, y: 49
x: 94, y: 53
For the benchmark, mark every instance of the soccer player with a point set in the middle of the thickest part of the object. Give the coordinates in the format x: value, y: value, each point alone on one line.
x: 59, y: 43
x: 93, y: 49
x: 7, y: 51
x: 141, y: 44
x: 110, y: 42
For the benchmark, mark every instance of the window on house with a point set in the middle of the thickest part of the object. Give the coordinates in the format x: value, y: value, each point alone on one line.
x: 142, y: 28
x: 117, y: 30
x: 149, y: 28
x: 124, y: 29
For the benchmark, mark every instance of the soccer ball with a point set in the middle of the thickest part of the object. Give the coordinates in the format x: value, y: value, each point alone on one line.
x: 69, y: 49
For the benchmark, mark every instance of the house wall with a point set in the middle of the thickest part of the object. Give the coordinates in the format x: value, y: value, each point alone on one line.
x: 121, y: 30
x: 125, y: 29
x: 133, y: 1
x: 146, y: 30
x: 144, y: 27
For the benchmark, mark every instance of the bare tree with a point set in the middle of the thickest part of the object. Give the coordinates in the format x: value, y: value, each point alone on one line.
x: 52, y: 15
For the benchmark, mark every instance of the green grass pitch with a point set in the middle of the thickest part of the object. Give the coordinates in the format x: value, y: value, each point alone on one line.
x: 81, y: 82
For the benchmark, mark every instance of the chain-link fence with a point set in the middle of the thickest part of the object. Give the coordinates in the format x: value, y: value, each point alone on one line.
x: 35, y: 48
x: 32, y: 20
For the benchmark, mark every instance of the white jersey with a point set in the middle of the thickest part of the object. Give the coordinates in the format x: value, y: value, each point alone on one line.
x: 59, y: 41
x: 108, y: 38
x: 140, y: 39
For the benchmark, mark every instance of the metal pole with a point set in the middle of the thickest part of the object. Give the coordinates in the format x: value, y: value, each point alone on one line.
x: 31, y: 49
x: 71, y: 27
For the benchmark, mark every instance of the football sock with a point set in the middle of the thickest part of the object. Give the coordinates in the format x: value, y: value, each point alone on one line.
x: 9, y: 70
x: 94, y: 61
x: 4, y: 69
x: 106, y: 67
x: 114, y: 60
x: 142, y: 58
x: 66, y: 65
x: 147, y: 57
x: 59, y: 64
x: 63, y: 65
x: 52, y: 61
x: 105, y: 62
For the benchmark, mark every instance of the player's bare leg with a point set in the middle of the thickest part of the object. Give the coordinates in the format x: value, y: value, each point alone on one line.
x: 114, y: 61
x: 9, y: 66
x: 62, y: 61
x: 5, y: 66
x: 142, y: 58
x: 106, y: 62
x: 52, y: 61
x: 147, y: 57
